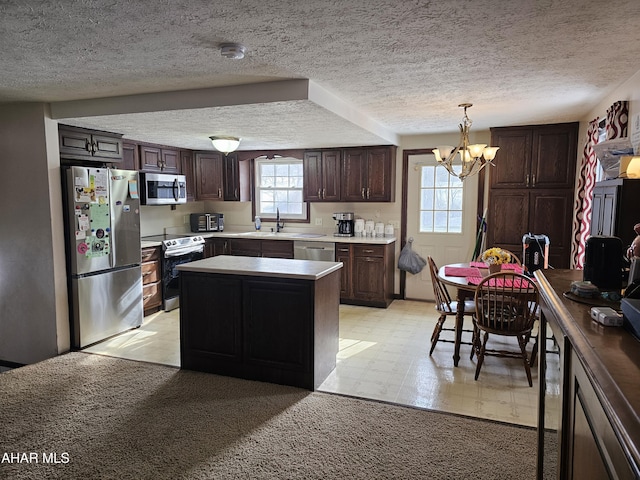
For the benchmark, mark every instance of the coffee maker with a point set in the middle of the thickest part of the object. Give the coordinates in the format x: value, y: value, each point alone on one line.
x: 345, y: 224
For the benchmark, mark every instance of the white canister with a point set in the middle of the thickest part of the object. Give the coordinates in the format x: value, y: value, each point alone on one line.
x: 388, y: 230
x: 369, y: 227
x: 359, y: 227
x: 379, y: 229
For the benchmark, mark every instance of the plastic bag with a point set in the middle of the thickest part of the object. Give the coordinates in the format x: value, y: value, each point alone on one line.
x: 410, y: 261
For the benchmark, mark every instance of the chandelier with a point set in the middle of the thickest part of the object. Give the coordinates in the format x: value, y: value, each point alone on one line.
x: 473, y: 158
x: 225, y: 145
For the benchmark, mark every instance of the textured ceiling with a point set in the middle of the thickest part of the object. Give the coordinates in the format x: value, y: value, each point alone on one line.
x: 403, y: 65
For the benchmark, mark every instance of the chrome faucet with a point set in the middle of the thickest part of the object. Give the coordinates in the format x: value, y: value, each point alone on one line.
x: 279, y: 225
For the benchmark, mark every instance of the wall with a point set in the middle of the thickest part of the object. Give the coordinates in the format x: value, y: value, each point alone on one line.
x: 33, y: 294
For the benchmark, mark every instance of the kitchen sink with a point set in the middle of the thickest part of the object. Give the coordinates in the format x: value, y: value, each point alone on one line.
x: 257, y: 234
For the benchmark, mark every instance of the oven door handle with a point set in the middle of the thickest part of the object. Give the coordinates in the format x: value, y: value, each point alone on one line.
x: 183, y: 251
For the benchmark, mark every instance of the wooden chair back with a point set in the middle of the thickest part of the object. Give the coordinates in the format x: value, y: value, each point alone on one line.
x: 506, y: 303
x: 442, y: 297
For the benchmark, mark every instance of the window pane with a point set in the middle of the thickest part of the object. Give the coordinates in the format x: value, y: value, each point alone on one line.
x: 279, y: 186
x: 441, y: 200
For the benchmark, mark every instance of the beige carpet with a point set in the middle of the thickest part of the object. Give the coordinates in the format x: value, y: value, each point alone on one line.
x: 108, y: 418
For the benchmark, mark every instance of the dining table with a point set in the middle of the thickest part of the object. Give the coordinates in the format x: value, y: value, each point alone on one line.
x: 465, y: 278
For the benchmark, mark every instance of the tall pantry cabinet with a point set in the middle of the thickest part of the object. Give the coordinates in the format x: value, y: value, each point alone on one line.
x: 531, y: 187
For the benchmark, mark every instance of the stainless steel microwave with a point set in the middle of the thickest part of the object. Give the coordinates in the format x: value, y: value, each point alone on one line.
x: 207, y: 222
x: 163, y: 189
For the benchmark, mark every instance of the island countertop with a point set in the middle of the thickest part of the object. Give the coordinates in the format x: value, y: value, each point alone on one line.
x: 262, y: 267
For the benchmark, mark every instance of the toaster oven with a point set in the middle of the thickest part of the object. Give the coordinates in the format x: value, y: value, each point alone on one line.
x: 207, y: 222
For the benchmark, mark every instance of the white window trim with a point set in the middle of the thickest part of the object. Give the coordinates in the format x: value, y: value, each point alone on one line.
x: 283, y: 215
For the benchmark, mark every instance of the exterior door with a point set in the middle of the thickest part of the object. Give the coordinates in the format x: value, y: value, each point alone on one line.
x: 442, y: 246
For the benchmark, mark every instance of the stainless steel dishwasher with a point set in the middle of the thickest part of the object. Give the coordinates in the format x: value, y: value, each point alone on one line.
x: 325, y: 251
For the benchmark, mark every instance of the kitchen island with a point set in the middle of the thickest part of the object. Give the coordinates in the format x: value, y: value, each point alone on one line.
x: 267, y: 319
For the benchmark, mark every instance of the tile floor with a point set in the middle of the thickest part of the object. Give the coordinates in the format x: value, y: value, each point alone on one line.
x: 384, y: 355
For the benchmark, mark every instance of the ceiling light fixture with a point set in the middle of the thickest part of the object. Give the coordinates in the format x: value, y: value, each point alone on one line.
x: 234, y: 51
x: 225, y: 145
x: 473, y: 158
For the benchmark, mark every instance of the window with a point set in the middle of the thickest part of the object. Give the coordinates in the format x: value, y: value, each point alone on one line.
x: 279, y: 187
x: 440, y: 200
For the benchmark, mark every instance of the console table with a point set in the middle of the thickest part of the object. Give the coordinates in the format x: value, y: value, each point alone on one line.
x: 596, y: 434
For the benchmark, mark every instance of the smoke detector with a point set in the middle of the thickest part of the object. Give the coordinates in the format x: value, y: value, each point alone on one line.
x: 234, y: 51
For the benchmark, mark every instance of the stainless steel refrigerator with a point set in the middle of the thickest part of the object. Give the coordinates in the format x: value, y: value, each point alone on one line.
x: 102, y: 220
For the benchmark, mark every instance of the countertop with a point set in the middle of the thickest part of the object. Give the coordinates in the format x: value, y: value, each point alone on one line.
x: 610, y: 355
x: 262, y: 267
x: 296, y: 236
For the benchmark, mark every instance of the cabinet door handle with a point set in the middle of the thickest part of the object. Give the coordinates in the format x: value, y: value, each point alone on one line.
x: 147, y: 273
x: 324, y: 193
x: 368, y: 191
x: 367, y: 251
x: 527, y: 181
x: 319, y: 193
x: 363, y: 197
x: 219, y: 192
x: 534, y: 180
x: 144, y: 297
x: 235, y: 192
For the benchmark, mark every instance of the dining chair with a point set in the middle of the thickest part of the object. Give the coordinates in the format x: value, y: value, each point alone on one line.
x: 505, y: 304
x: 446, y: 307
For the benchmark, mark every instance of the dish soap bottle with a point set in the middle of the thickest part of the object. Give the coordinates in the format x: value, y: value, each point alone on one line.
x: 258, y: 223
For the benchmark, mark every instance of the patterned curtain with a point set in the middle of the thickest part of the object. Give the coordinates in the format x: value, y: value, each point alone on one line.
x: 617, y: 120
x: 584, y: 194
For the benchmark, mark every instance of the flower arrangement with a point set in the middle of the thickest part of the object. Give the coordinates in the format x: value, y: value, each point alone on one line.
x: 495, y: 256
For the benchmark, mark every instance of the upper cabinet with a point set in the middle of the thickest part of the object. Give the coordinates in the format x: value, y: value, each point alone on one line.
x: 188, y: 169
x: 321, y: 170
x: 130, y: 156
x: 532, y: 187
x: 85, y: 144
x: 534, y: 156
x: 209, y: 176
x: 368, y: 174
x: 236, y: 179
x: 159, y: 159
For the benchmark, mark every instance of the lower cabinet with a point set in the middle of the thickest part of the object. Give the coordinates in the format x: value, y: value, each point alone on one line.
x: 261, y: 248
x: 215, y: 246
x: 151, y: 280
x: 367, y: 275
x: 269, y: 329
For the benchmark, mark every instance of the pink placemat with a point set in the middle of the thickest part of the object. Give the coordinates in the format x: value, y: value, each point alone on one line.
x: 462, y: 272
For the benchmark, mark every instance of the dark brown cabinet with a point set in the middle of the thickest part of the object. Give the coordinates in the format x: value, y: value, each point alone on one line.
x: 322, y: 174
x: 159, y: 159
x: 151, y: 280
x: 276, y: 330
x: 83, y: 144
x: 231, y: 178
x: 215, y: 246
x: 189, y: 171
x: 261, y: 248
x: 209, y: 176
x: 367, y: 274
x: 368, y: 174
x: 130, y: 156
x: 614, y: 209
x: 532, y: 187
